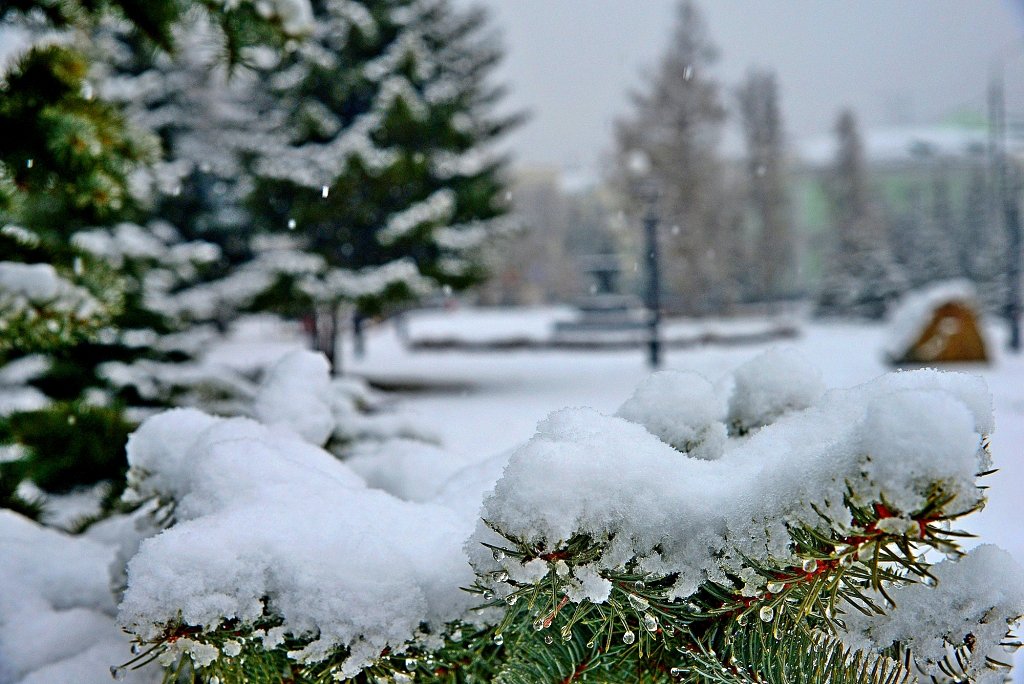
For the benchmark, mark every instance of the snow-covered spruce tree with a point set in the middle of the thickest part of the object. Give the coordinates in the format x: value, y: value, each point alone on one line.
x: 377, y: 159
x: 67, y: 160
x: 776, y: 534
x: 676, y: 124
x: 861, y: 277
x: 758, y: 99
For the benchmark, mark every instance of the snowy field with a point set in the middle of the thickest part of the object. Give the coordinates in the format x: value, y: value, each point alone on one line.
x: 490, y: 402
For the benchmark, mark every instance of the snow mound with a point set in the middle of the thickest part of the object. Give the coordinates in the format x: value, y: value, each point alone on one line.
x: 890, y: 439
x: 770, y: 385
x: 682, y: 409
x: 267, y: 519
x: 914, y: 312
x: 980, y: 595
x: 297, y: 392
x: 56, y: 608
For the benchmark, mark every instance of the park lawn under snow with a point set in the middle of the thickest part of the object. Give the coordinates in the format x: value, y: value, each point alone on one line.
x: 492, y: 401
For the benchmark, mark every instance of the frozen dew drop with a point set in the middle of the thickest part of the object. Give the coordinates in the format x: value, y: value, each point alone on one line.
x: 566, y: 636
x: 136, y: 649
x: 498, y: 554
x: 488, y: 596
x: 410, y: 664
x: 501, y: 576
x: 766, y: 613
x: 741, y: 619
x: 325, y: 191
x: 291, y: 224
x: 590, y: 644
x: 639, y: 584
x: 776, y: 587
x: 499, y: 639
x: 650, y: 622
x: 846, y: 561
x: 810, y: 565
x: 638, y: 602
x: 549, y: 640
x: 676, y: 672
x: 628, y: 637
x: 538, y: 624
x: 118, y: 673
x: 511, y: 599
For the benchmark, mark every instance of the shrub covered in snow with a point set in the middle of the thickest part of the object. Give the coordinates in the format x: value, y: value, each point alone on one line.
x: 620, y: 537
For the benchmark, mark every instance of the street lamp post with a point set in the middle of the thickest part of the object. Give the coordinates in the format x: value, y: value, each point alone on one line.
x: 639, y: 165
x: 653, y: 281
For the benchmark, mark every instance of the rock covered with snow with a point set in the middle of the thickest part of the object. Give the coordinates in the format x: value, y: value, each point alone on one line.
x: 914, y: 313
x: 267, y: 519
x: 892, y: 439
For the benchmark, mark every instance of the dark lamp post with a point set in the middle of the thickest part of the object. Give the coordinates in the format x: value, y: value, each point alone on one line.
x: 640, y: 168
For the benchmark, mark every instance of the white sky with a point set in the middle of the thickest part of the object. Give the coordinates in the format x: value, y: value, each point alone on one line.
x: 571, y: 62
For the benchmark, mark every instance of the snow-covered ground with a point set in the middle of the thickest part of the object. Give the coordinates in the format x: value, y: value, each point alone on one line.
x: 492, y: 401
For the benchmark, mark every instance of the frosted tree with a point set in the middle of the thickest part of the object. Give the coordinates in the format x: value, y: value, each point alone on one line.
x: 758, y: 100
x: 676, y: 123
x: 772, y: 532
x: 377, y: 157
x: 78, y: 279
x: 983, y: 243
x: 861, y: 276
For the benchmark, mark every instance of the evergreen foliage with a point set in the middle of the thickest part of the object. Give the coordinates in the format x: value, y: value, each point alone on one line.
x: 762, y: 125
x: 676, y: 125
x: 791, y: 596
x: 69, y: 160
x: 377, y: 155
x: 861, y: 278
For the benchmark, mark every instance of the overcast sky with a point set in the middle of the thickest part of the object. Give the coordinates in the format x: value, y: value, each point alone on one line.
x: 571, y: 62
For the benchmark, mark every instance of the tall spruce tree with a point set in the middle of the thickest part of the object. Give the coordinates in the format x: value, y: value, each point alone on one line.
x: 73, y: 288
x: 760, y: 115
x: 676, y: 124
x: 376, y: 156
x: 861, y: 276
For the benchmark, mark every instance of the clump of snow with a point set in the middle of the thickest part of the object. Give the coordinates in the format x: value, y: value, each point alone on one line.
x: 981, y: 596
x: 297, y: 392
x: 584, y: 472
x: 683, y: 409
x: 913, y: 314
x: 770, y: 385
x: 26, y: 286
x: 266, y: 519
x: 409, y: 469
x: 56, y: 608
